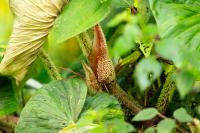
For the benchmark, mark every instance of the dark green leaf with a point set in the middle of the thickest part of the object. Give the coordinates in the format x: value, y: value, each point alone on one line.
x: 166, y: 126
x: 78, y: 16
x: 8, y: 103
x: 146, y: 114
x: 182, y: 115
x: 147, y: 70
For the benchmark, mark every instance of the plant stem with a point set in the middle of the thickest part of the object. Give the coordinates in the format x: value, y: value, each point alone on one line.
x: 129, y: 60
x: 128, y: 101
x: 166, y: 93
x: 85, y: 43
x: 49, y: 65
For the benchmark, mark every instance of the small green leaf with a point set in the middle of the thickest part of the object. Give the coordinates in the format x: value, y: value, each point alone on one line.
x: 182, y: 115
x: 166, y: 126
x: 146, y: 114
x: 184, y: 82
x: 150, y: 130
x: 120, y: 126
x: 78, y: 16
x: 147, y: 70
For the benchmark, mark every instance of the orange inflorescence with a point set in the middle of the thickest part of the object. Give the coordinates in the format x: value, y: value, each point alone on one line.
x: 99, y: 59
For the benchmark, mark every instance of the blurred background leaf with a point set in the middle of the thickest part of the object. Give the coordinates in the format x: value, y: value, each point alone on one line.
x: 8, y: 102
x: 146, y: 75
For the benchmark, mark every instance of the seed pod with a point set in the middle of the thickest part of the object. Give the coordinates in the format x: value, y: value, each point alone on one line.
x: 33, y: 20
x: 99, y: 59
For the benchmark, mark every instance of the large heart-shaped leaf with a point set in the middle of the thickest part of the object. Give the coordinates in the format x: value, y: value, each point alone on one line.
x: 60, y: 104
x: 178, y: 19
x: 55, y: 106
x: 78, y: 16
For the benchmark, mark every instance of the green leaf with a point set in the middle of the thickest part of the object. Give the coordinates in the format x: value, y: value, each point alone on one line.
x: 182, y: 115
x: 119, y: 126
x: 103, y: 100
x: 147, y: 70
x: 150, y: 130
x: 122, y: 3
x: 178, y: 20
x: 125, y: 43
x: 146, y: 114
x: 144, y: 9
x: 166, y: 126
x: 55, y: 106
x: 63, y: 106
x: 78, y: 16
x: 8, y: 103
x: 184, y: 82
x: 171, y: 49
x: 183, y: 57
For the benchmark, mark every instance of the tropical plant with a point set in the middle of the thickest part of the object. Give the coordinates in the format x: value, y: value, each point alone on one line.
x: 140, y: 60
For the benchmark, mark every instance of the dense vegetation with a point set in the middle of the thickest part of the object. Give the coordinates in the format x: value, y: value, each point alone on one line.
x: 100, y: 66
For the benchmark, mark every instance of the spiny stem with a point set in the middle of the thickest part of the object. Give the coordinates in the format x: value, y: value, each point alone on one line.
x: 85, y: 43
x: 166, y: 93
x: 128, y: 101
x: 129, y: 60
x: 48, y: 63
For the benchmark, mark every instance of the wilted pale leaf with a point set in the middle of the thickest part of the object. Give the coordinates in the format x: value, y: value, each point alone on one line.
x: 33, y: 19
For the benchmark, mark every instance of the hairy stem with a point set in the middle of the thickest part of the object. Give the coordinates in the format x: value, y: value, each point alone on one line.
x: 129, y: 60
x: 166, y: 93
x: 85, y: 43
x: 128, y: 101
x: 49, y: 65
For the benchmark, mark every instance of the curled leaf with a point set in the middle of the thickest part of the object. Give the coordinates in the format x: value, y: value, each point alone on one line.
x: 33, y: 20
x: 91, y: 80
